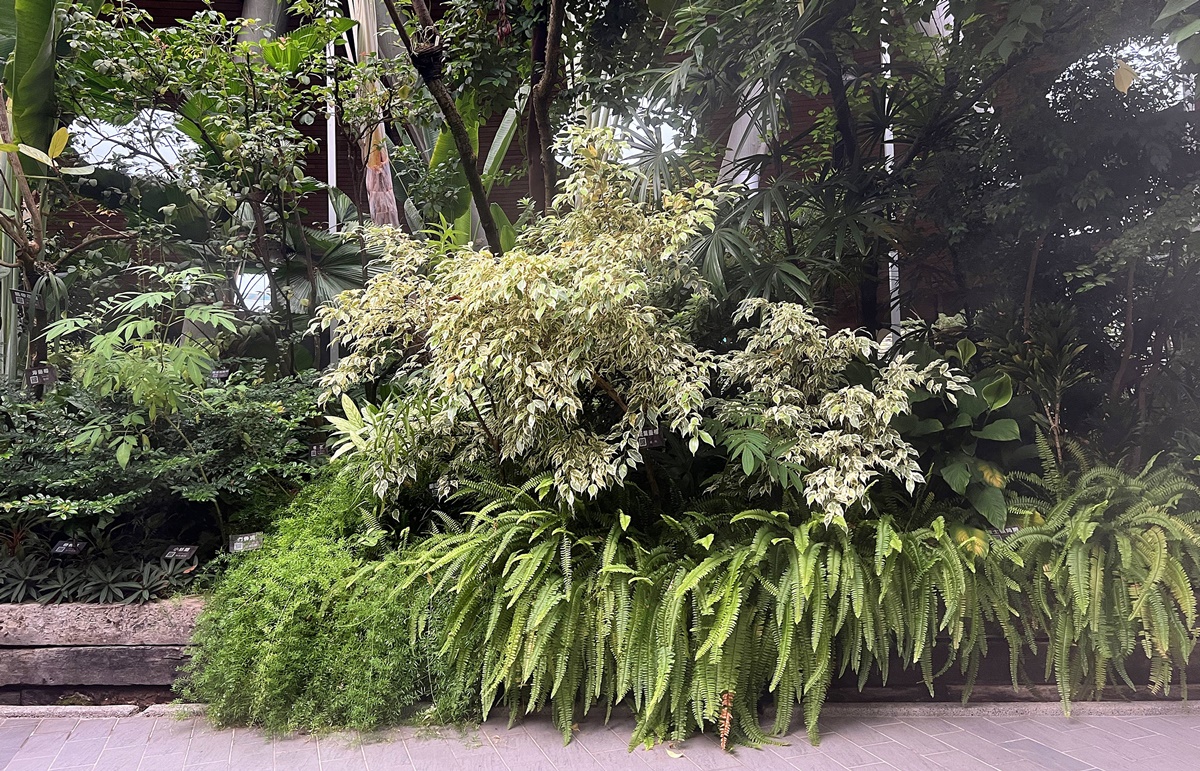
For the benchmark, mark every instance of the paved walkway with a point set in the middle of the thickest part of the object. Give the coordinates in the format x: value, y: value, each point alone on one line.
x: 1112, y: 742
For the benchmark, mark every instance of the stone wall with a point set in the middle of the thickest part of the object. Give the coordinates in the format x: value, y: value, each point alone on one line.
x: 95, y: 645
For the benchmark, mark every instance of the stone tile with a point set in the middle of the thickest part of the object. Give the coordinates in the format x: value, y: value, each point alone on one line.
x: 850, y: 754
x: 934, y: 726
x: 704, y: 751
x: 119, y: 759
x: 96, y: 728
x: 300, y: 760
x: 296, y: 744
x: 346, y: 764
x: 913, y: 738
x: 169, y: 736
x: 78, y: 753
x: 600, y: 739
x: 209, y: 747
x: 29, y: 764
x: 959, y: 761
x: 339, y: 747
x: 217, y: 765
x: 56, y: 725
x: 758, y: 759
x: 896, y: 755
x: 130, y: 732
x: 170, y: 761
x: 980, y: 749
x: 1043, y: 756
x: 1102, y: 759
x: 795, y: 745
x: 1116, y: 726
x: 621, y: 760
x: 986, y: 729
x: 251, y: 748
x: 12, y: 732
x: 1067, y: 741
x: 441, y: 754
x: 816, y: 762
x: 853, y: 729
x: 40, y: 746
x: 385, y: 750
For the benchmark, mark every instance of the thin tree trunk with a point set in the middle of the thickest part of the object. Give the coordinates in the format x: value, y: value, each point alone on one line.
x: 1127, y: 348
x: 533, y: 139
x: 1029, y: 281
x: 543, y: 95
x: 429, y: 62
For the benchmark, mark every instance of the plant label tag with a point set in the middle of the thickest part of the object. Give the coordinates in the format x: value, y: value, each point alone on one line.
x: 318, y: 451
x: 651, y: 438
x: 1003, y: 532
x: 27, y: 299
x: 68, y: 548
x: 180, y: 552
x: 43, y: 374
x: 245, y: 542
x: 219, y: 375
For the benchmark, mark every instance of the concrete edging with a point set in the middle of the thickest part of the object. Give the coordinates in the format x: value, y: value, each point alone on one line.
x: 1008, y: 709
x: 75, y: 711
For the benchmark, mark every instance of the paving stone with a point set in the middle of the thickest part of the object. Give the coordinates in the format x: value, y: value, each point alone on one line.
x: 209, y: 746
x: 93, y: 729
x: 1044, y: 756
x: 301, y: 760
x: 621, y: 760
x: 130, y: 732
x: 56, y: 725
x: 119, y: 759
x: 912, y: 737
x: 171, y: 761
x: 346, y: 764
x: 846, y: 752
x: 959, y: 761
x: 78, y: 753
x: 40, y: 746
x: 934, y: 726
x: 30, y: 764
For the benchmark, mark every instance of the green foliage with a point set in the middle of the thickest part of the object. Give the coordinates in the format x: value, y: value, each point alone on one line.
x: 805, y: 408
x: 559, y: 354
x: 247, y: 445
x: 286, y: 643
x: 552, y: 608
x: 1115, y: 561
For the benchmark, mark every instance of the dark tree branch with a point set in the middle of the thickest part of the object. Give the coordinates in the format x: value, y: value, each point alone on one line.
x: 429, y: 59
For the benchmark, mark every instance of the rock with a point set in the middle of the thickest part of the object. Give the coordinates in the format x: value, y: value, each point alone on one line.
x: 29, y: 625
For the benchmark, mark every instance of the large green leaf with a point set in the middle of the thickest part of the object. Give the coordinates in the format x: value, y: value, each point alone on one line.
x: 289, y: 52
x: 999, y: 392
x: 1003, y: 430
x: 958, y: 476
x: 30, y: 76
x: 989, y: 501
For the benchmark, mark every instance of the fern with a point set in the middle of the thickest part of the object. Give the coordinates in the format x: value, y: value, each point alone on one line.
x: 1120, y: 553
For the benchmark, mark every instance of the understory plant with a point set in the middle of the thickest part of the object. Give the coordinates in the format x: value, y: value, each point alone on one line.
x: 1114, y: 569
x: 693, y: 622
x: 286, y: 643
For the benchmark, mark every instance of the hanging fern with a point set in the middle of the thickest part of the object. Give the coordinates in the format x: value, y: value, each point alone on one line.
x: 1114, y: 560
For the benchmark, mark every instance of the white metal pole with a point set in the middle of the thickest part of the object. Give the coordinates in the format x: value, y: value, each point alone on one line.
x: 889, y: 155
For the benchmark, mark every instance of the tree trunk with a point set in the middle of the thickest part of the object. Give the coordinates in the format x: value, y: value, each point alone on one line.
x: 429, y: 60
x: 543, y: 95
